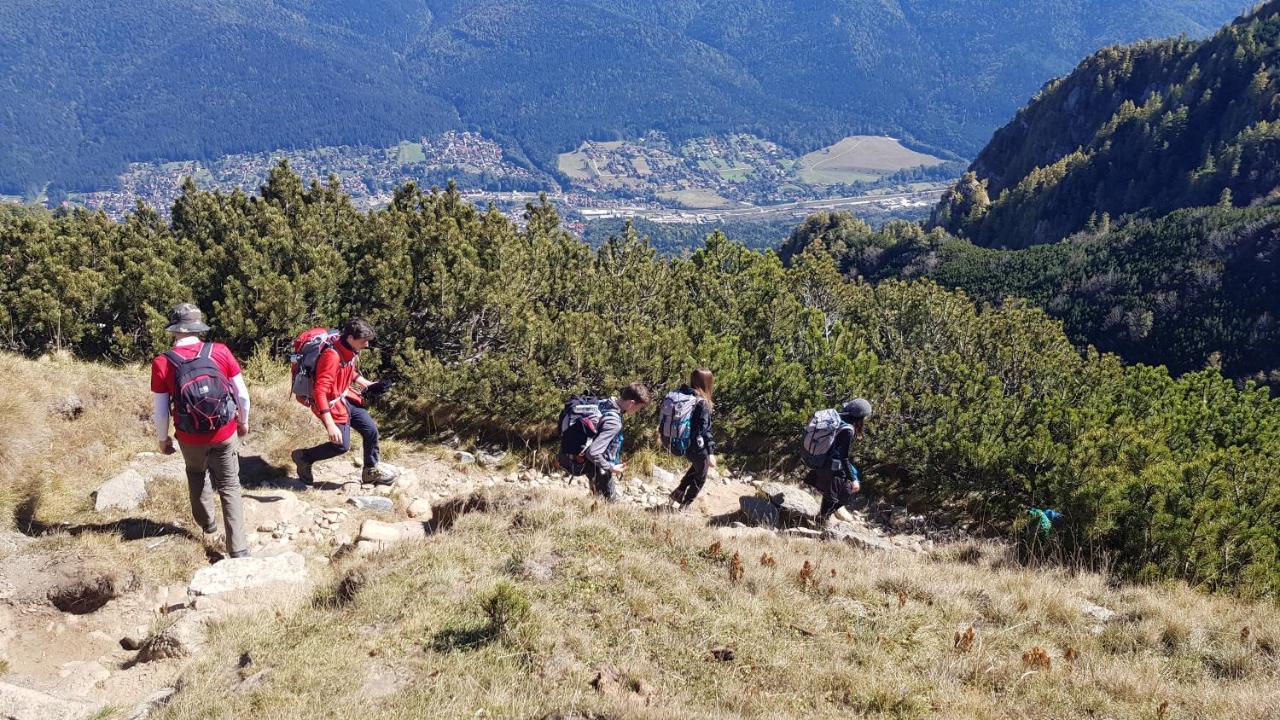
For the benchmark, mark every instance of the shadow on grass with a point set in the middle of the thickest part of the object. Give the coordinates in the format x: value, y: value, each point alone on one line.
x: 126, y: 528
x: 455, y: 639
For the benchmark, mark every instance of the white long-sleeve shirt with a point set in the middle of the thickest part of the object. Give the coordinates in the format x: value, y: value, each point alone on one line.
x: 160, y: 401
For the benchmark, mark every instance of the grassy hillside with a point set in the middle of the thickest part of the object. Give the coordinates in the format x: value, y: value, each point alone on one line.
x: 145, y: 80
x: 546, y: 606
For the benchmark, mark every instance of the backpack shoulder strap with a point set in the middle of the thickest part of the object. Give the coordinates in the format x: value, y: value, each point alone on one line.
x: 174, y: 358
x: 206, y: 350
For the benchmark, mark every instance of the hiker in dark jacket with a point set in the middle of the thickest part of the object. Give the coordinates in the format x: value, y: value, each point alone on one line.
x: 604, y: 454
x: 838, y: 480
x: 702, y: 445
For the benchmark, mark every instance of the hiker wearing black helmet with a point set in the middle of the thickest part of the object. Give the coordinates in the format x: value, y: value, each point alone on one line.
x: 826, y: 446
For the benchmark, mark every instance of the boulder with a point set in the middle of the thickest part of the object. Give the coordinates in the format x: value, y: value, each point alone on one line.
x: 803, y: 532
x: 759, y: 511
x: 857, y: 536
x: 284, y: 571
x: 19, y: 703
x: 663, y: 476
x: 125, y: 491
x: 464, y: 458
x: 491, y: 458
x: 794, y: 503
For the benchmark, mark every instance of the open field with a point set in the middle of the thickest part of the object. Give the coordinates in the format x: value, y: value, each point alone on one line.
x: 411, y: 152
x: 860, y: 158
x: 579, y: 165
x: 695, y: 198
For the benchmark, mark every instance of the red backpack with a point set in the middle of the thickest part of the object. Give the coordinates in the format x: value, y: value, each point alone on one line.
x: 307, y: 348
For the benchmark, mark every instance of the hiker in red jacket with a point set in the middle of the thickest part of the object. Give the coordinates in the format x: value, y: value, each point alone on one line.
x: 199, y: 385
x: 338, y: 401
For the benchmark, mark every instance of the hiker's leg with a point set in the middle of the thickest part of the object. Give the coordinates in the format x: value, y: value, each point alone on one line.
x: 326, y: 450
x: 363, y: 423
x: 829, y: 506
x: 692, y: 482
x: 224, y: 470
x: 195, y: 457
x: 602, y: 483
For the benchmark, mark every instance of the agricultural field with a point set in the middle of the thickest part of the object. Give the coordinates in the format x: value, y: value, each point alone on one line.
x: 860, y: 158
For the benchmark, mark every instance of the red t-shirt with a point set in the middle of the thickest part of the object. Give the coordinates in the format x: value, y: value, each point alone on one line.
x: 164, y: 379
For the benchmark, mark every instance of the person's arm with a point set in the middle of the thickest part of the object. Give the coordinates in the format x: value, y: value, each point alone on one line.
x: 160, y: 403
x: 598, y: 450
x: 323, y: 389
x: 840, y: 462
x: 242, y: 402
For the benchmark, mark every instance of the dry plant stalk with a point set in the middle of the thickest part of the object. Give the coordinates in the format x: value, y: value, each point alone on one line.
x: 767, y: 560
x: 902, y: 599
x: 964, y: 640
x: 735, y: 568
x: 806, y: 575
x: 1071, y: 654
x: 1037, y: 659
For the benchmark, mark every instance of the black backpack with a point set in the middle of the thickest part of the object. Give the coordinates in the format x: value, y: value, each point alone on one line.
x: 205, y: 401
x: 579, y: 424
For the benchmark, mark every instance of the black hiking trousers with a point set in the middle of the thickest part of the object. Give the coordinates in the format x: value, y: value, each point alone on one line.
x: 837, y: 491
x: 600, y: 481
x: 687, y: 491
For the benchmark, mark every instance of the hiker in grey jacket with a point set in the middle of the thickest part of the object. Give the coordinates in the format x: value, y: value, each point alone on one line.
x: 604, y: 454
x: 839, y: 480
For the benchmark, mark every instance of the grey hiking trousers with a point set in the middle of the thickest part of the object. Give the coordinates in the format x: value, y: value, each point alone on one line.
x: 217, y: 467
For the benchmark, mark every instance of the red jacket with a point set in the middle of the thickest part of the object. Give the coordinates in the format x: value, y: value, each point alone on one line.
x: 335, y: 373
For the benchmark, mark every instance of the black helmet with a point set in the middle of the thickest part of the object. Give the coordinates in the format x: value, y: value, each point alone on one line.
x: 856, y: 409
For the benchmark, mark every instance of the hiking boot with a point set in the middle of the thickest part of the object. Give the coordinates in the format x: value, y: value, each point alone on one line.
x: 380, y: 474
x: 304, y: 467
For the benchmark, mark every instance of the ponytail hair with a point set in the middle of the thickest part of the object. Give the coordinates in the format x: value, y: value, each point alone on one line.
x: 703, y: 383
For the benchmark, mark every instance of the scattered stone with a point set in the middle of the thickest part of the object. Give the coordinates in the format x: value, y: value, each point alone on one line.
x: 464, y: 458
x: 858, y: 537
x: 89, y: 590
x: 69, y: 407
x: 759, y: 511
x: 135, y: 639
x: 19, y: 703
x: 152, y: 703
x: 491, y: 458
x: 529, y: 476
x: 372, y: 502
x: 125, y: 491
x: 420, y: 509
x: 1095, y: 612
x: 663, y: 476
x: 250, y: 573
x: 254, y: 680
x: 803, y: 532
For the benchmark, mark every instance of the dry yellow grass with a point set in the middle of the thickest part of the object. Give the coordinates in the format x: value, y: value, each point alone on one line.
x: 646, y: 607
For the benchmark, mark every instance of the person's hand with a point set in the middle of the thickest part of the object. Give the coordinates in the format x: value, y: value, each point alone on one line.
x: 377, y: 389
x: 854, y: 486
x: 335, y: 434
x: 712, y: 462
x: 242, y: 429
x: 166, y: 446
x: 619, y: 468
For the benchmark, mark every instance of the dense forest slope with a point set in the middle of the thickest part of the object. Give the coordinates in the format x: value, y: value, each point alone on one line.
x: 981, y: 411
x: 115, y: 81
x: 1148, y: 128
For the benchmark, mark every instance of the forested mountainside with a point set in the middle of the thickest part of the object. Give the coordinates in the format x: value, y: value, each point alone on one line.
x: 114, y: 81
x: 982, y: 411
x: 1148, y: 128
x: 1195, y: 288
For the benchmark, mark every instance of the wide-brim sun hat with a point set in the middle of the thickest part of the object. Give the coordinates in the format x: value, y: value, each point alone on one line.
x: 186, y: 318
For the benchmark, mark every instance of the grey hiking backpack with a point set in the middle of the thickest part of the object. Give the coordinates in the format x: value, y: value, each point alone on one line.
x: 675, y: 419
x: 819, y: 435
